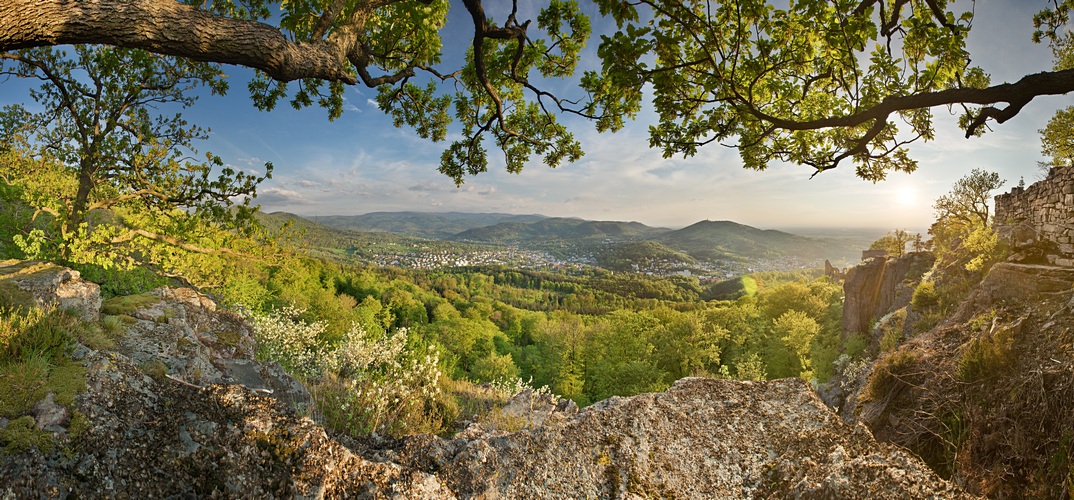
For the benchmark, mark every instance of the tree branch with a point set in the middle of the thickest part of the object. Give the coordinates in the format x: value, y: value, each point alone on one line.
x: 163, y: 238
x: 1017, y: 95
x: 172, y: 28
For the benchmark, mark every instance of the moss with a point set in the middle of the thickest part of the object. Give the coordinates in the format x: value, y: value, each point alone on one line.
x: 278, y: 442
x: 79, y: 423
x: 155, y: 369
x: 127, y: 304
x: 13, y: 296
x: 66, y: 380
x: 10, y: 270
x: 21, y: 435
x: 229, y: 339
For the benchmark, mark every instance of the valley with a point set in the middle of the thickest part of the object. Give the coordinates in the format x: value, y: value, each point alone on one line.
x: 708, y: 250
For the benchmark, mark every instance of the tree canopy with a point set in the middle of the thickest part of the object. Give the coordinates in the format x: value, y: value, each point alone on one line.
x: 820, y: 83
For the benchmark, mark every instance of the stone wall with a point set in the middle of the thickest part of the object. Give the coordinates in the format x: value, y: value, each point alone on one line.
x: 1041, y: 217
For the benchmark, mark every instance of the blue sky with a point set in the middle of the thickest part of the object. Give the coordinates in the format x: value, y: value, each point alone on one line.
x: 360, y: 163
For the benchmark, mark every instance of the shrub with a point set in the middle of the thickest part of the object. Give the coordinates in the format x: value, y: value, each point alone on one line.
x: 925, y: 296
x: 889, y: 375
x: 366, y: 382
x: 389, y: 390
x: 284, y: 338
x: 987, y: 355
x: 855, y: 345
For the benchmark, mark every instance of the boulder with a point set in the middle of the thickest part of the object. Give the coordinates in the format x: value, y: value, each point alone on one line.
x: 29, y: 283
x: 184, y: 332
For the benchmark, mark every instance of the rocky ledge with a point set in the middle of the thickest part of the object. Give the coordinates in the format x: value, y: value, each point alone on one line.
x: 179, y: 408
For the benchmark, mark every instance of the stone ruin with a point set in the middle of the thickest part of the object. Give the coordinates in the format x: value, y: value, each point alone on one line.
x: 1038, y: 221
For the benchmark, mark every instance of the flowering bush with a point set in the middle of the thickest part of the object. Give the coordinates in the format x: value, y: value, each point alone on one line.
x: 365, y: 383
x: 295, y: 344
x: 509, y: 388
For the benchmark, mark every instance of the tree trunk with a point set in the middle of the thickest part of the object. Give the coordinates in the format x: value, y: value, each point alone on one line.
x: 169, y: 27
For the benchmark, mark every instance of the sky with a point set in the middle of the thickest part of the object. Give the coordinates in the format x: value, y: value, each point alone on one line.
x: 360, y: 163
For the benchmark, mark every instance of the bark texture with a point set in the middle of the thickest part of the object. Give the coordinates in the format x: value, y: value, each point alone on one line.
x: 172, y: 28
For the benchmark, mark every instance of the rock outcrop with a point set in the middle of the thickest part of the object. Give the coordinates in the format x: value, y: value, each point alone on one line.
x: 988, y: 395
x: 43, y: 284
x: 181, y: 409
x: 880, y: 286
x: 703, y: 438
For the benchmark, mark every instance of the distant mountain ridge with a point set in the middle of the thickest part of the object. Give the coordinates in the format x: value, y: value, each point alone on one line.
x: 558, y: 227
x: 727, y: 240
x: 702, y: 241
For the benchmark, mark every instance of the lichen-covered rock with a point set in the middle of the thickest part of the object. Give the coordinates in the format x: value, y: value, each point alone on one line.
x: 147, y: 438
x: 182, y: 332
x: 29, y: 283
x: 703, y: 438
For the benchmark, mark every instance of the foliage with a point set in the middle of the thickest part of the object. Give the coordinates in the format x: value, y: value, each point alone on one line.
x: 966, y: 205
x: 773, y: 77
x: 798, y: 330
x: 810, y: 82
x: 924, y: 295
x: 894, y: 243
x: 364, y: 382
x: 1057, y: 140
x: 376, y: 385
x: 296, y: 345
x: 111, y: 176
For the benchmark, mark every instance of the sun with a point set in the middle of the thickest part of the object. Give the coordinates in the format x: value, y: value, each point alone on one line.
x: 906, y: 196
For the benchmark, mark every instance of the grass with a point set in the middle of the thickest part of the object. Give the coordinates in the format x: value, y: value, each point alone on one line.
x: 987, y: 356
x: 125, y: 305
x: 889, y: 375
x: 33, y: 364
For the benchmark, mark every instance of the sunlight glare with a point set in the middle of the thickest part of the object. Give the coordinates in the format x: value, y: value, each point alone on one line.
x: 906, y: 196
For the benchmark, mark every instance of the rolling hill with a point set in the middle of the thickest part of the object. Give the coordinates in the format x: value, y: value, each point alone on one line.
x: 571, y: 229
x: 726, y: 240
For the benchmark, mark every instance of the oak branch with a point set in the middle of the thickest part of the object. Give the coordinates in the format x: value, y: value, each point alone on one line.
x: 171, y: 28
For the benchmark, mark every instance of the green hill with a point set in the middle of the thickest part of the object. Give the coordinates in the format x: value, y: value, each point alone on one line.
x: 637, y: 255
x: 726, y: 240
